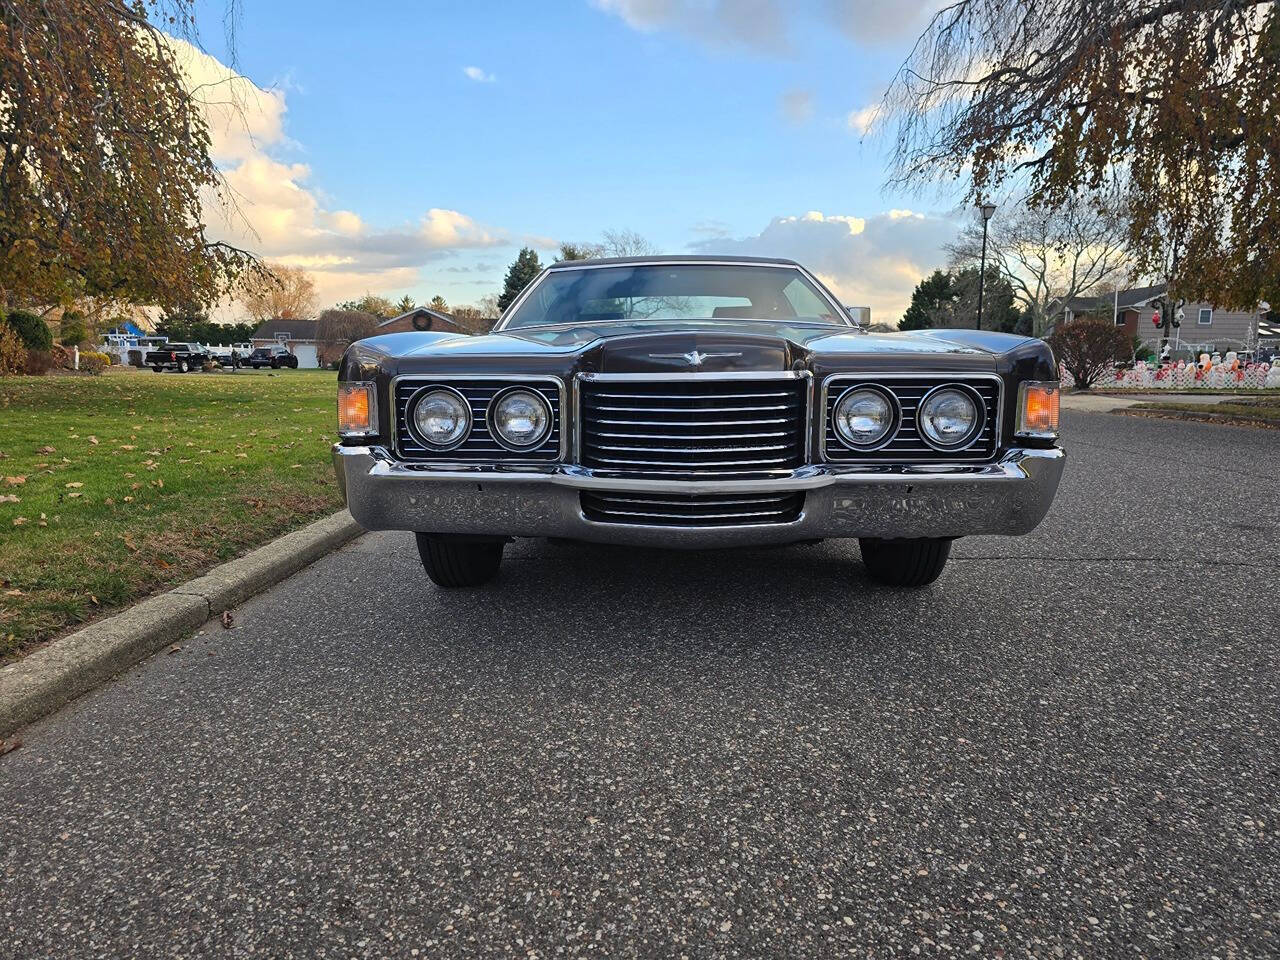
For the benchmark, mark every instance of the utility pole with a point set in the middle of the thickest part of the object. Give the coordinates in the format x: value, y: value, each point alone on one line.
x: 986, y: 209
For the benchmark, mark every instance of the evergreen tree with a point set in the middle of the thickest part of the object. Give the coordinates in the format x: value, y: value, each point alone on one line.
x: 931, y: 297
x: 522, y: 272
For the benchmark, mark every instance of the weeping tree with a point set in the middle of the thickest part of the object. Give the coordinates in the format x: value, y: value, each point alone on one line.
x: 1172, y: 102
x: 104, y: 157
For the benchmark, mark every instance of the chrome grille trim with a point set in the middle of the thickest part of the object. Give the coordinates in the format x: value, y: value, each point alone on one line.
x: 908, y: 446
x: 693, y: 425
x: 692, y: 510
x: 479, y: 446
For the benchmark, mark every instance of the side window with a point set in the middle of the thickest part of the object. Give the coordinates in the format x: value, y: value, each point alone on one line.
x: 1206, y: 316
x: 804, y: 300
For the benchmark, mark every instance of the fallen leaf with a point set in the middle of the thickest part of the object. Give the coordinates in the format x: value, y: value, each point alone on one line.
x: 228, y: 621
x: 93, y: 599
x: 10, y: 498
x: 75, y: 485
x: 15, y: 592
x: 128, y: 499
x: 127, y: 446
x: 175, y: 648
x: 47, y: 450
x: 19, y: 521
x: 72, y: 496
x: 93, y: 440
x: 6, y: 746
x: 15, y: 481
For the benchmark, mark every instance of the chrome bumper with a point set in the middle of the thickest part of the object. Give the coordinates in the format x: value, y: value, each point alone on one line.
x: 1010, y: 496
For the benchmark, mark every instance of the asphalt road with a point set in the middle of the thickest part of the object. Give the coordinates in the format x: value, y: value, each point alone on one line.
x: 1069, y: 746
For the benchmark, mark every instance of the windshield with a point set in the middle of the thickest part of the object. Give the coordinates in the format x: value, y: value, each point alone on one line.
x: 674, y: 291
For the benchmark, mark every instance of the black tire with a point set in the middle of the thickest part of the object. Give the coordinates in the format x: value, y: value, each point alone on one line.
x: 905, y: 563
x: 455, y: 563
x: 157, y: 369
x: 183, y: 366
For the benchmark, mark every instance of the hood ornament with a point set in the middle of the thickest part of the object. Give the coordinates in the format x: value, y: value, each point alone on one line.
x: 694, y: 358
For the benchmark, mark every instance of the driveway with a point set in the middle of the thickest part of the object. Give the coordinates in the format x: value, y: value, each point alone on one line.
x: 1067, y: 747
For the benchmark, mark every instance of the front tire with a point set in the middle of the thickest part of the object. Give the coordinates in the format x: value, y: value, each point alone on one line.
x: 453, y: 563
x: 183, y: 366
x: 905, y: 563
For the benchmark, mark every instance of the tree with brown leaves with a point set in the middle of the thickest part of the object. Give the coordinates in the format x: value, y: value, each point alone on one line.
x: 1174, y: 101
x: 104, y: 158
x: 278, y: 292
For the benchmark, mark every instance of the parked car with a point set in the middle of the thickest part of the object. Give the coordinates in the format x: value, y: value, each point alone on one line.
x: 274, y: 356
x: 182, y: 357
x: 695, y: 402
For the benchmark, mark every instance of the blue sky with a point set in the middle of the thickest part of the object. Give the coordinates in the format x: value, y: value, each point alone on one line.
x: 701, y: 124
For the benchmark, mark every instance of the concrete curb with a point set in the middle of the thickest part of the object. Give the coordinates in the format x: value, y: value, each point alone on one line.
x: 38, y: 685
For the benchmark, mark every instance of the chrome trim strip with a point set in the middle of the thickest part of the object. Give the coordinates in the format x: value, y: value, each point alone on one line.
x: 445, y: 378
x: 697, y: 376
x: 947, y: 376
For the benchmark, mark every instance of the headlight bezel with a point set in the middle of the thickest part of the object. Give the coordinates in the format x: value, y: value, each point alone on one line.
x: 895, y: 417
x: 969, y: 437
x: 497, y: 435
x: 411, y: 417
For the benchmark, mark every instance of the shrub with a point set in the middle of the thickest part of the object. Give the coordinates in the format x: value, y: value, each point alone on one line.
x: 91, y: 361
x: 1088, y: 348
x: 13, y: 355
x: 73, y: 328
x: 39, y: 362
x: 62, y: 357
x: 32, y: 331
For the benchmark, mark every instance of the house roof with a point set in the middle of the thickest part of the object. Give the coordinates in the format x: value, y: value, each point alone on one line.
x: 438, y: 314
x: 1127, y: 299
x: 665, y: 258
x: 296, y: 329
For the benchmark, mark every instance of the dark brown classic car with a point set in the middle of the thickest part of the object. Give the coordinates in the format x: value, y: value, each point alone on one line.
x: 695, y: 402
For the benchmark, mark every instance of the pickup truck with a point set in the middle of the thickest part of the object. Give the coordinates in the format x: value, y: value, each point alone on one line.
x: 182, y: 357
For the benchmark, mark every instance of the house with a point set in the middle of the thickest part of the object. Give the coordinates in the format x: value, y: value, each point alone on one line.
x: 419, y: 318
x: 298, y: 335
x: 1204, y: 326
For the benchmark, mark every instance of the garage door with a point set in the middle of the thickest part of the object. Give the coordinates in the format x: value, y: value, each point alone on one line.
x: 306, y: 354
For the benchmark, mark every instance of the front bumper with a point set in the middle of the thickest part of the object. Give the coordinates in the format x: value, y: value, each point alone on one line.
x: 1009, y: 496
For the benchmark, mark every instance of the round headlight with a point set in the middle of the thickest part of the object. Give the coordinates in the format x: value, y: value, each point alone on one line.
x: 864, y: 417
x: 519, y: 418
x: 948, y: 417
x: 442, y: 418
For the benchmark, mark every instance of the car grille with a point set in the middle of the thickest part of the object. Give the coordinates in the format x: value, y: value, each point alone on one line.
x: 908, y: 446
x: 480, y: 445
x: 681, y: 510
x: 693, y: 427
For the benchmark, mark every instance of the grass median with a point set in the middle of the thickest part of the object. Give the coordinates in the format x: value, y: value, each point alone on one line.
x: 113, y: 487
x: 1265, y: 408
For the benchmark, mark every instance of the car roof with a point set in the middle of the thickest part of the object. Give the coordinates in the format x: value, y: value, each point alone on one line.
x: 669, y: 258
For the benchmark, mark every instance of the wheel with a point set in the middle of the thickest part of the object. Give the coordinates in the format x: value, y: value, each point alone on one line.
x: 183, y: 366
x: 451, y: 562
x: 905, y: 563
x: 157, y: 370
x: 275, y: 365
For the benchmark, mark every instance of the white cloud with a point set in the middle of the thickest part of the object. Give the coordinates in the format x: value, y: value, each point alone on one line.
x: 479, y: 75
x: 278, y: 215
x: 797, y: 106
x: 756, y: 24
x: 873, y: 261
x: 765, y: 25
x: 862, y: 121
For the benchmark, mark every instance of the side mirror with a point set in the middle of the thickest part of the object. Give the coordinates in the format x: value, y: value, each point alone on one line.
x: 859, y: 316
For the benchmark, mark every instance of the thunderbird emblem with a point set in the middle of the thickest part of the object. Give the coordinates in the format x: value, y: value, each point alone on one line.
x: 694, y: 358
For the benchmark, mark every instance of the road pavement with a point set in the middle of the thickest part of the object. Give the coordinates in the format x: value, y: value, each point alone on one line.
x: 1067, y: 747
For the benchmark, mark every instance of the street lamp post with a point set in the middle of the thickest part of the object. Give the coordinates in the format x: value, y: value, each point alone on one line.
x: 986, y: 209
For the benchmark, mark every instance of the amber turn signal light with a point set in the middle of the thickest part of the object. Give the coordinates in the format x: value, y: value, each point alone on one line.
x: 357, y: 413
x: 1038, y: 409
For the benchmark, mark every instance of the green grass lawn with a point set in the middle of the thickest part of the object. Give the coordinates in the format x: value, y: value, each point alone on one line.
x: 113, y: 487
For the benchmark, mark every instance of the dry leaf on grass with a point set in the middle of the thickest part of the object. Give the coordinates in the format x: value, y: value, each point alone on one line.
x: 47, y: 449
x: 75, y: 485
x: 15, y: 481
x: 10, y: 498
x: 93, y: 440
x: 19, y: 521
